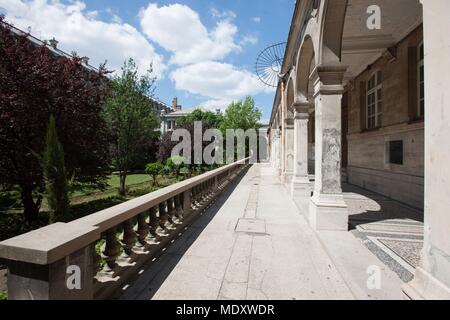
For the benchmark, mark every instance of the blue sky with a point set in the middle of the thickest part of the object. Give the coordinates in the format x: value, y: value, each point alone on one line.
x: 203, y: 51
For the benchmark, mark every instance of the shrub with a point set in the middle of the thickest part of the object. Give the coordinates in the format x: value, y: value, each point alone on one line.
x: 154, y: 170
x: 55, y: 174
x: 175, y: 164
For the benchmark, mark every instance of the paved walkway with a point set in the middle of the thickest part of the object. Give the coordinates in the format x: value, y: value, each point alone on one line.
x: 251, y: 244
x: 392, y: 231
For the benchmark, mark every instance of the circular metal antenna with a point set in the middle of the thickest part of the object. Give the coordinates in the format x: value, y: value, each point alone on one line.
x: 269, y: 62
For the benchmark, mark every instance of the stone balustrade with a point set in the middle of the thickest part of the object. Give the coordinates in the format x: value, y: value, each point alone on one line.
x: 96, y: 256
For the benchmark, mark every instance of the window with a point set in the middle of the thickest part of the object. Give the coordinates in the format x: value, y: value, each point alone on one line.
x: 395, y: 149
x: 374, y: 100
x: 169, y: 125
x: 421, y: 81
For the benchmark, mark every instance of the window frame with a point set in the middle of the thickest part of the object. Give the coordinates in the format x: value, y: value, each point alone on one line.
x: 378, y: 85
x: 420, y: 64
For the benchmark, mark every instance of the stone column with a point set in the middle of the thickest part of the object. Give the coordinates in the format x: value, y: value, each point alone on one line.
x: 327, y: 209
x: 301, y: 186
x: 288, y: 161
x: 432, y: 277
x: 277, y: 153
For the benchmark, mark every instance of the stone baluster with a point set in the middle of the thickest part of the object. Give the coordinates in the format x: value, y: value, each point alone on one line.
x: 201, y: 194
x: 128, y: 238
x: 195, y: 202
x: 216, y: 185
x: 143, y: 229
x: 96, y: 259
x: 186, y: 202
x: 204, y: 191
x: 162, y: 215
x: 112, y: 250
x: 153, y: 223
x: 170, y: 210
x: 179, y: 207
x: 210, y: 187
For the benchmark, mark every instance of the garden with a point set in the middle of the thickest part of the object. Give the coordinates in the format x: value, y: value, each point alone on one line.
x: 75, y: 140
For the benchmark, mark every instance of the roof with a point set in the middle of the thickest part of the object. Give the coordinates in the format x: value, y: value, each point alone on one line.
x: 187, y: 111
x: 42, y: 43
x: 61, y: 53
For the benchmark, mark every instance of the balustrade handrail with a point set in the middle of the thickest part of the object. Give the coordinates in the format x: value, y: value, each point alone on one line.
x: 29, y: 246
x: 129, y: 234
x: 109, y: 217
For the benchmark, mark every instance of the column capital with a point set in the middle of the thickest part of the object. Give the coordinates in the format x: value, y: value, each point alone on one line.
x: 303, y: 106
x: 328, y: 79
x: 289, y: 123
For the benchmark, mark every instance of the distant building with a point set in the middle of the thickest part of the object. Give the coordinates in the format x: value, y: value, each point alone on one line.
x: 169, y: 120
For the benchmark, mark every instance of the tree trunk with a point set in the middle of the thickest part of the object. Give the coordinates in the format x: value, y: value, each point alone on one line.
x: 123, y: 186
x: 31, y: 209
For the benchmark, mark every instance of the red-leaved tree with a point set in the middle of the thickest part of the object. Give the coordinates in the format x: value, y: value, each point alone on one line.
x: 35, y: 84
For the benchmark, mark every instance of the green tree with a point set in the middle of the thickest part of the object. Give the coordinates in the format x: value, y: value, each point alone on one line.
x: 154, y: 170
x: 214, y: 120
x: 131, y: 117
x: 242, y: 115
x: 55, y: 174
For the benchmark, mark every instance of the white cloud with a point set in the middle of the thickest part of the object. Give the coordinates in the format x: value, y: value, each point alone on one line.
x: 80, y: 30
x: 256, y: 19
x: 219, y: 83
x: 114, y: 17
x: 227, y: 14
x: 248, y: 39
x: 178, y: 29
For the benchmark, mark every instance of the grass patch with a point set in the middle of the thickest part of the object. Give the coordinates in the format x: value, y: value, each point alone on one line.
x: 3, y: 295
x: 13, y: 223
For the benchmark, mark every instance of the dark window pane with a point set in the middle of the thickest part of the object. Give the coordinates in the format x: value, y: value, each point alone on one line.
x: 396, y: 152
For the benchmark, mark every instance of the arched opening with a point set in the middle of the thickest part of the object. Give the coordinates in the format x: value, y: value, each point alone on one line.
x: 304, y: 62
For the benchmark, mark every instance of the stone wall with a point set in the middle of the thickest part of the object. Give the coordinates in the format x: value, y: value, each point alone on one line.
x: 368, y: 152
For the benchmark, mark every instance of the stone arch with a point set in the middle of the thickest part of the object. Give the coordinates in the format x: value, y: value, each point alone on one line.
x: 304, y: 62
x: 331, y: 21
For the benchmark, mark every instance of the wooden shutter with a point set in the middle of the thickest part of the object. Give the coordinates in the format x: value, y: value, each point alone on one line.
x: 363, y: 105
x: 412, y: 84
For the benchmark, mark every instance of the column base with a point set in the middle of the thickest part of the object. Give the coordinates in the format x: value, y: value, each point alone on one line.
x: 426, y: 287
x: 286, y: 177
x: 301, y: 188
x: 328, y: 212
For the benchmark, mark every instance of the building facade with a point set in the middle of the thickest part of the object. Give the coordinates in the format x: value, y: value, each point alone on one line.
x: 362, y: 99
x: 383, y: 112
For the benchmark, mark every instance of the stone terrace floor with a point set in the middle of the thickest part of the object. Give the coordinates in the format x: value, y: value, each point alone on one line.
x: 389, y: 229
x: 251, y: 244
x: 254, y: 243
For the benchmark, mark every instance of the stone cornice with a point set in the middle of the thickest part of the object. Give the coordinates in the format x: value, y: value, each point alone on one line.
x: 328, y: 80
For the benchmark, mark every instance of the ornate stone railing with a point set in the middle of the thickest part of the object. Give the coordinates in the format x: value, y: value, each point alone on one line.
x: 95, y: 256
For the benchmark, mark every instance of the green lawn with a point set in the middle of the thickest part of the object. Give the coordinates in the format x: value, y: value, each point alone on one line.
x: 84, y: 202
x: 113, y: 184
x: 131, y: 180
